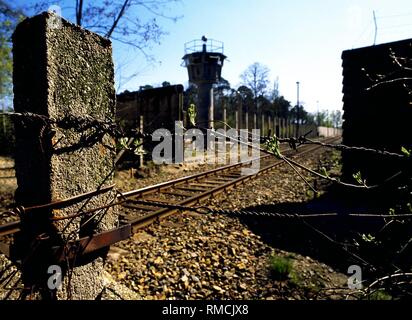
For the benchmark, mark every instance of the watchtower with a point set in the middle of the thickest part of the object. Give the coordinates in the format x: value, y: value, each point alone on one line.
x: 204, y: 61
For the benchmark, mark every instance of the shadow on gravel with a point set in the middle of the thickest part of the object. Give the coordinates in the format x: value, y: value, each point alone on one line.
x: 292, y: 234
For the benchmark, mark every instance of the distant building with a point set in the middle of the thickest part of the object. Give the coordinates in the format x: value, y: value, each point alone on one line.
x: 160, y: 108
x: 377, y: 108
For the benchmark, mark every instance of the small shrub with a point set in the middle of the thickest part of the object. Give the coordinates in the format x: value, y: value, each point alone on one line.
x: 280, y: 267
x: 380, y: 295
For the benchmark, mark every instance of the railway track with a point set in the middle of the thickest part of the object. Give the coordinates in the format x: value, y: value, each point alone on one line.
x: 142, y: 207
x: 140, y: 211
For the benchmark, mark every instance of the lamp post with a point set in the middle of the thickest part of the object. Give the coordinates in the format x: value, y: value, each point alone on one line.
x: 297, y: 110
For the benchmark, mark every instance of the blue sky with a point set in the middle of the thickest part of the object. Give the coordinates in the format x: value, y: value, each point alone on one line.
x: 299, y: 40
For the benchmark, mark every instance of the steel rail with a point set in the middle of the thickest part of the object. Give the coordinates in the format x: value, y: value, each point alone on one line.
x: 175, y: 182
x: 14, y: 226
x: 163, y: 185
x: 151, y: 217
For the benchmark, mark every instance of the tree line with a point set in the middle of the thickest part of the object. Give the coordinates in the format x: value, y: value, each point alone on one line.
x: 255, y: 96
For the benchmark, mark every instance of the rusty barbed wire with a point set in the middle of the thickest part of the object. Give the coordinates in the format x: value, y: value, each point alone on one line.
x: 295, y: 143
x: 92, y: 130
x: 251, y: 213
x: 85, y: 124
x: 343, y: 147
x: 302, y: 139
x: 81, y: 124
x: 335, y: 180
x: 243, y: 212
x: 18, y: 211
x: 8, y: 213
x: 67, y: 122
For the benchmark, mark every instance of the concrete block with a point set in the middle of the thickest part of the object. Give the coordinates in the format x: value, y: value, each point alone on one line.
x: 65, y: 73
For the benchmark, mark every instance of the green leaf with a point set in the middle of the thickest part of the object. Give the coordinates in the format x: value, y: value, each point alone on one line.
x: 136, y: 142
x: 324, y: 171
x: 139, y: 152
x: 358, y: 177
x: 191, y: 111
x: 310, y: 193
x: 123, y: 143
x: 272, y: 145
x: 406, y: 152
x: 368, y: 237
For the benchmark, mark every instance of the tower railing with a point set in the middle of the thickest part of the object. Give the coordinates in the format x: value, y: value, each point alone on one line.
x: 210, y: 45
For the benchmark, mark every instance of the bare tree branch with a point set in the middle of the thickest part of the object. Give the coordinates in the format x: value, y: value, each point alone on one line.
x: 79, y: 11
x: 119, y: 16
x: 399, y: 74
x: 388, y: 82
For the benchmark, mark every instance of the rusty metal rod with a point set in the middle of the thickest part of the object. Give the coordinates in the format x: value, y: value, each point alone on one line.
x: 15, y: 226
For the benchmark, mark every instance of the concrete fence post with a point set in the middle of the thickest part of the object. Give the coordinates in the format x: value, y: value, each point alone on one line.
x: 239, y: 115
x: 211, y: 124
x: 262, y: 132
x: 141, y: 149
x: 181, y: 102
x: 64, y: 73
x: 279, y: 124
x: 287, y: 128
x: 274, y: 126
x: 224, y: 116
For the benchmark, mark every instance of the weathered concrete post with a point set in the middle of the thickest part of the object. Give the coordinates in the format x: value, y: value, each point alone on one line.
x: 181, y: 101
x: 281, y: 127
x: 286, y: 128
x: 239, y: 115
x: 224, y: 116
x: 141, y: 149
x: 64, y: 73
x: 276, y: 126
x: 262, y: 126
x: 211, y: 117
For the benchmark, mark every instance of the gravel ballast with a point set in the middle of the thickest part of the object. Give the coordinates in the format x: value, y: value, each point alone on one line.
x: 197, y: 256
